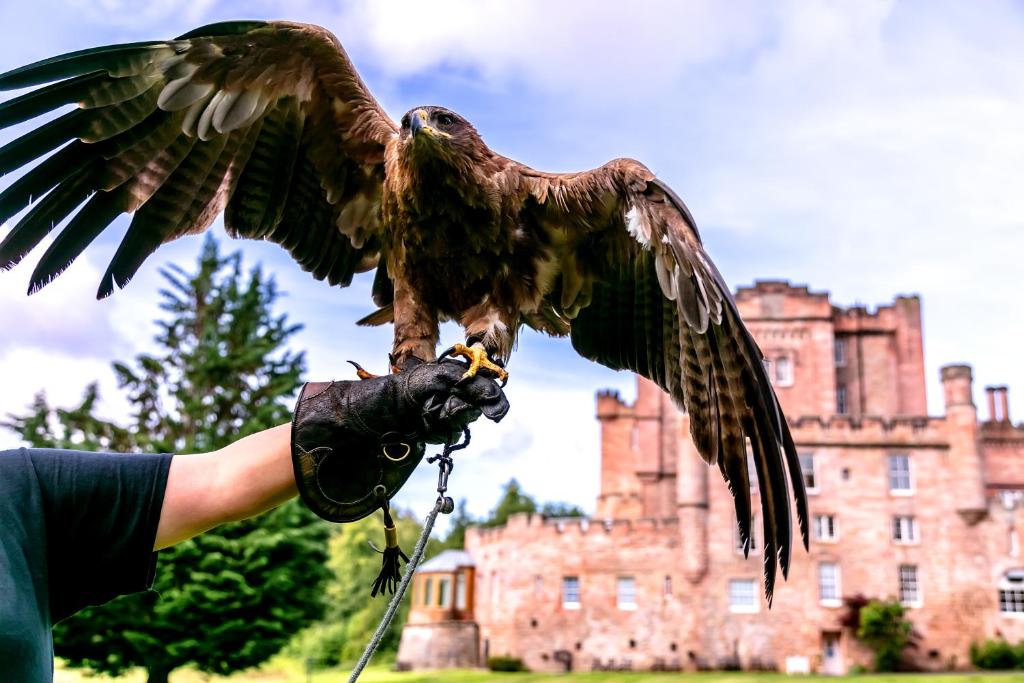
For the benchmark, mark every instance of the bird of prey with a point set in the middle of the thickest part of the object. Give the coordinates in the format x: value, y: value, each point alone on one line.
x: 269, y: 123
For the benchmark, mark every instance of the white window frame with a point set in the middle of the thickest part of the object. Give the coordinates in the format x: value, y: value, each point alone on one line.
x: 909, y: 491
x: 460, y: 591
x: 908, y: 530
x: 444, y: 592
x: 784, y: 378
x: 814, y: 471
x: 836, y: 584
x: 1012, y: 582
x: 752, y: 469
x: 819, y: 526
x: 839, y: 352
x: 744, y: 608
x: 918, y: 599
x: 428, y: 592
x: 625, y: 592
x: 754, y: 548
x: 568, y: 592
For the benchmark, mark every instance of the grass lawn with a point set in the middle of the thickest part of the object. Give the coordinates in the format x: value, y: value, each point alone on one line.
x: 290, y: 671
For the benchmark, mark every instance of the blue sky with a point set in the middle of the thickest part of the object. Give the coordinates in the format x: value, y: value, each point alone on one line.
x: 865, y: 148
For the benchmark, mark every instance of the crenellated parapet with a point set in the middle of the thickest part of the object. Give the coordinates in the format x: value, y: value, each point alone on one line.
x: 916, y: 431
x: 538, y: 528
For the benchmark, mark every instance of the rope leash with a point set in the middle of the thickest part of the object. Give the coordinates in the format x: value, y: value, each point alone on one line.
x: 444, y: 504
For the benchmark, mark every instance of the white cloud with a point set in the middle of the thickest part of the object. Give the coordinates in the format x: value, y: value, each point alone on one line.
x: 126, y: 13
x: 589, y: 48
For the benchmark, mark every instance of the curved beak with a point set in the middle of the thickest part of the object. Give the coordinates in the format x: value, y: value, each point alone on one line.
x: 416, y: 124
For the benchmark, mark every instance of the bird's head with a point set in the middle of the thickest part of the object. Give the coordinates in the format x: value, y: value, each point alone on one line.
x: 437, y: 133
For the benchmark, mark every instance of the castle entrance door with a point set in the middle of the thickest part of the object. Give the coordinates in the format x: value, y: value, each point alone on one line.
x: 832, y: 655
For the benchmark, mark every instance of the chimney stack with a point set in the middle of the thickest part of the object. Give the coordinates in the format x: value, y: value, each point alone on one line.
x: 998, y: 403
x: 956, y: 385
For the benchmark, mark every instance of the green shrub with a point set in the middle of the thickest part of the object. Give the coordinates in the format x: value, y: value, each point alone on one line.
x: 885, y: 629
x: 505, y: 663
x: 997, y: 655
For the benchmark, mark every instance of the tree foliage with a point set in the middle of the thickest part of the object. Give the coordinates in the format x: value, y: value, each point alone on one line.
x: 352, y: 616
x: 514, y: 500
x: 885, y: 629
x: 230, y: 598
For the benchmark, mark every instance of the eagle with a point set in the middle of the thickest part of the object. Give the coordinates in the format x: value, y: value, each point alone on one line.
x: 269, y: 124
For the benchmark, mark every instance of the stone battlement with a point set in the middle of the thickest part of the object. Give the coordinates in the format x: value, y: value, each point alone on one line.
x: 762, y: 287
x: 536, y: 527
x: 929, y: 432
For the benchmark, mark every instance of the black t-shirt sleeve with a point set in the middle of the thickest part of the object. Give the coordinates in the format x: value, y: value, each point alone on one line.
x: 102, y: 512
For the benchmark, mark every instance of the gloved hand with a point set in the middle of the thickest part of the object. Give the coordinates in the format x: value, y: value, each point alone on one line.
x: 355, y: 443
x: 350, y: 438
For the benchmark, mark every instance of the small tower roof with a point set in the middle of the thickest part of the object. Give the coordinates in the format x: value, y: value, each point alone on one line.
x: 448, y: 561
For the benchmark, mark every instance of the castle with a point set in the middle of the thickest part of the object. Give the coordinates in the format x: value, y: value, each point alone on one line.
x: 925, y: 510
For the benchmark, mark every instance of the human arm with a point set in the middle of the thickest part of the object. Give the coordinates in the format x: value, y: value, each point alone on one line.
x: 257, y: 473
x: 241, y: 480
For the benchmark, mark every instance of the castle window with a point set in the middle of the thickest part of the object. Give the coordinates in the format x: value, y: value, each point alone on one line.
x: 840, y: 352
x: 753, y: 536
x: 625, y: 592
x: 460, y: 590
x: 910, y: 586
x: 571, y: 592
x: 751, y: 468
x: 807, y: 468
x: 743, y: 595
x: 842, y: 407
x: 784, y: 371
x: 1011, y: 592
x: 428, y: 591
x: 826, y: 529
x: 904, y: 529
x: 828, y: 584
x: 444, y: 592
x: 667, y: 588
x: 899, y: 474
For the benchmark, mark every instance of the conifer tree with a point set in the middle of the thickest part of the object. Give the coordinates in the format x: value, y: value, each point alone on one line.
x: 232, y: 597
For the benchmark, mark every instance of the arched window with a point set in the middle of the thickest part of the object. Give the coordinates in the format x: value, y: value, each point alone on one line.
x: 1011, y: 592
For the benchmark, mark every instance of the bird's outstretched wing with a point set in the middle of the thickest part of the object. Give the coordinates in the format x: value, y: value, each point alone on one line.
x: 268, y: 121
x: 638, y: 292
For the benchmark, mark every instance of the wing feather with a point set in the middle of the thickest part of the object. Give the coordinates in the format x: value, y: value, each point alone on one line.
x: 253, y: 118
x: 660, y: 308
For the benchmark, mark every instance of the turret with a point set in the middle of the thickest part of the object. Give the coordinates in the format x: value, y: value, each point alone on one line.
x: 620, y: 489
x: 692, y: 502
x: 964, y: 453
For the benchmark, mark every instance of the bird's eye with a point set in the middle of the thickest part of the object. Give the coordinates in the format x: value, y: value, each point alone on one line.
x: 445, y: 119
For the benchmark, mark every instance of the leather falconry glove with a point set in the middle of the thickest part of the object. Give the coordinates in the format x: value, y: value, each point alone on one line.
x: 355, y: 443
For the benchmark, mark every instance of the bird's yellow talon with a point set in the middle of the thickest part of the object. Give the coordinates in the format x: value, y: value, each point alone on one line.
x: 477, y: 357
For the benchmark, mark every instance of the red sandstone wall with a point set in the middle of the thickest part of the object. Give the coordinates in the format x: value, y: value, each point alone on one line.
x: 1003, y: 448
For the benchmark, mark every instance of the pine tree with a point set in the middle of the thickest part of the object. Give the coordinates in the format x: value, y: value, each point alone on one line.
x: 512, y: 500
x: 230, y: 598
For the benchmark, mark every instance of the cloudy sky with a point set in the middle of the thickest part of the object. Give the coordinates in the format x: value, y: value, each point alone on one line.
x: 865, y: 148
